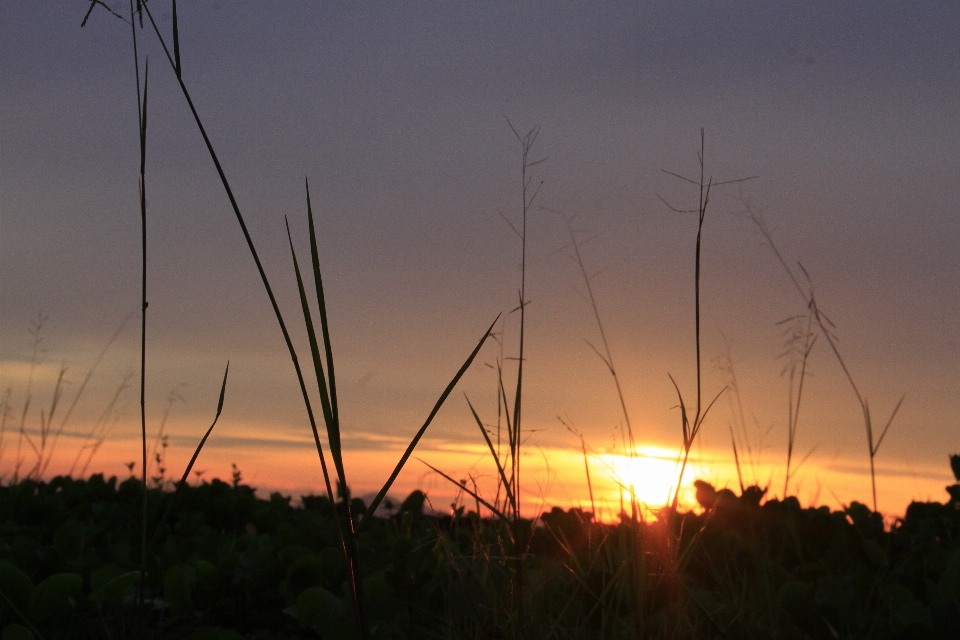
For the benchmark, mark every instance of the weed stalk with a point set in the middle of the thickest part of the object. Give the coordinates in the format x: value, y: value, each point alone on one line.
x: 606, y: 356
x: 142, y: 129
x: 528, y: 196
x: 691, y: 427
x: 800, y: 342
x: 826, y: 327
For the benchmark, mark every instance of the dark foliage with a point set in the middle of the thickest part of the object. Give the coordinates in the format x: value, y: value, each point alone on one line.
x: 226, y: 559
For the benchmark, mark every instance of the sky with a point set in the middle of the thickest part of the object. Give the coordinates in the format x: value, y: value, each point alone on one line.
x: 400, y: 117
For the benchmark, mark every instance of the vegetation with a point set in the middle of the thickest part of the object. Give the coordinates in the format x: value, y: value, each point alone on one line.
x: 98, y: 558
x: 226, y: 560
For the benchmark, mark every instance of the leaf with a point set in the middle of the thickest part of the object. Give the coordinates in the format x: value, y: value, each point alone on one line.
x: 69, y: 539
x: 331, y: 565
x: 112, y: 586
x: 472, y: 494
x: 795, y: 599
x: 945, y: 604
x: 320, y: 610
x: 15, y: 587
x: 53, y: 594
x: 215, y: 633
x: 304, y: 573
x: 493, y: 454
x: 383, y: 602
x: 177, y: 582
x: 17, y: 632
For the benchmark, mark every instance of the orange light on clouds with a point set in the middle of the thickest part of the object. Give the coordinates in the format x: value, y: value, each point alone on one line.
x: 550, y: 477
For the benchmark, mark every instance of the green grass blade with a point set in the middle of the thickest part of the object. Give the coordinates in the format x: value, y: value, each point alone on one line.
x: 506, y: 404
x: 347, y: 541
x: 333, y: 432
x: 889, y: 422
x: 193, y: 460
x: 176, y: 39
x: 203, y: 441
x: 143, y: 118
x: 683, y: 414
x: 493, y: 453
x: 472, y: 494
x: 334, y: 424
x: 249, y: 240
x: 703, y: 416
x: 416, y: 439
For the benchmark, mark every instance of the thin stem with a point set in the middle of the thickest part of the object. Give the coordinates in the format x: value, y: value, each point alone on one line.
x: 607, y: 355
x: 526, y: 143
x: 142, y: 130
x: 692, y: 427
x: 823, y: 322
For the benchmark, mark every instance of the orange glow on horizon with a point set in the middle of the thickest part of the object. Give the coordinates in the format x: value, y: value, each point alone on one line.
x: 550, y: 476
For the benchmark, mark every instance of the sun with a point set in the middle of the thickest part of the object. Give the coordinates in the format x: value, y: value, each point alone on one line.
x: 651, y: 475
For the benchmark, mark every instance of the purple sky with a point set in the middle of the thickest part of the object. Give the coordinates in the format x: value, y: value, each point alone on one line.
x: 396, y: 114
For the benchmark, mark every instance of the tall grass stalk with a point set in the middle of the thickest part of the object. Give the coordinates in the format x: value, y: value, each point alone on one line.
x: 161, y: 440
x: 78, y: 395
x: 725, y: 364
x: 606, y: 356
x: 508, y: 463
x: 142, y: 9
x: 826, y: 328
x: 799, y: 344
x: 186, y: 472
x: 97, y: 434
x: 36, y: 328
x: 326, y: 381
x: 691, y: 426
x: 529, y: 194
x: 5, y: 408
x: 142, y: 130
x: 586, y: 461
x: 43, y: 440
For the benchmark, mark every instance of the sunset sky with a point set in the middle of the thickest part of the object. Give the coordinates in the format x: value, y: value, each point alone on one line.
x: 398, y: 115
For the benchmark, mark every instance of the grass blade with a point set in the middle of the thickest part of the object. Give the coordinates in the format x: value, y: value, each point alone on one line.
x: 249, y: 240
x: 176, y: 39
x: 473, y: 494
x: 416, y: 439
x: 883, y: 434
x: 203, y: 441
x: 683, y: 413
x: 333, y: 432
x: 348, y: 544
x: 193, y: 460
x: 328, y: 394
x: 493, y: 453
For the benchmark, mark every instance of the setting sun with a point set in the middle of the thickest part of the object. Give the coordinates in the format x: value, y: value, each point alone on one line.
x: 651, y: 475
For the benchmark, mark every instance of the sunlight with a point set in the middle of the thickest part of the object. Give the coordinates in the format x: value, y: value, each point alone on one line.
x: 651, y: 475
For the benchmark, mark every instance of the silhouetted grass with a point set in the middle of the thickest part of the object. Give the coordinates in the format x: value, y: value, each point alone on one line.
x: 220, y: 558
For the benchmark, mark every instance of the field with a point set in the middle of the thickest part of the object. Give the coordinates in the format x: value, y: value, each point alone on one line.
x: 169, y: 553
x: 224, y: 564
